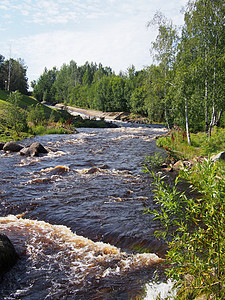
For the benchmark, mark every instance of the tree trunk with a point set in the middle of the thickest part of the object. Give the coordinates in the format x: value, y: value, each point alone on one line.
x: 213, y: 121
x: 166, y: 118
x: 187, y: 123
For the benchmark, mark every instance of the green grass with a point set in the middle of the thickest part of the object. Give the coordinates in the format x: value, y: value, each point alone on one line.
x: 24, y: 103
x: 176, y: 144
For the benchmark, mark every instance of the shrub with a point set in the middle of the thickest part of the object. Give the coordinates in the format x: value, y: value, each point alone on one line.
x: 194, y: 230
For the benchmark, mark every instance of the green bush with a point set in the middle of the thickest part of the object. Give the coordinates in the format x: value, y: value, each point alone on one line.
x: 194, y: 230
x: 36, y: 114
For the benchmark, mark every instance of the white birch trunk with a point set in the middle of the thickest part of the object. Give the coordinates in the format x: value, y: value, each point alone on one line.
x: 187, y: 123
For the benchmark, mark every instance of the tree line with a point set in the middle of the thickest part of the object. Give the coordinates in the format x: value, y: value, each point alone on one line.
x: 184, y: 85
x: 13, y: 75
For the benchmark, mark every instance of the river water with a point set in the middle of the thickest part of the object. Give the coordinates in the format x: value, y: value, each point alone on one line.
x: 76, y: 217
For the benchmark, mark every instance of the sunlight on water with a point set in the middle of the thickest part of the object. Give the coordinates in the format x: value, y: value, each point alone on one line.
x: 37, y: 236
x: 160, y: 291
x: 90, y: 182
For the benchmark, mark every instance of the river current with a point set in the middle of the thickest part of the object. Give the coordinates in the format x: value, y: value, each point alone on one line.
x: 76, y: 217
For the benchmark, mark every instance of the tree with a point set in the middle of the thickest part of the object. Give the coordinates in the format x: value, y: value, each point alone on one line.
x: 154, y: 102
x: 15, y: 117
x: 36, y: 114
x: 204, y: 23
x: 137, y: 101
x: 43, y: 88
x: 164, y: 50
x: 13, y: 75
x: 119, y: 102
x: 103, y: 94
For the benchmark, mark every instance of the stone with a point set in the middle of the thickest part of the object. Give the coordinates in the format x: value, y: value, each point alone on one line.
x: 219, y: 156
x: 27, y: 151
x: 8, y: 255
x: 38, y: 147
x: 12, y: 147
x: 33, y: 150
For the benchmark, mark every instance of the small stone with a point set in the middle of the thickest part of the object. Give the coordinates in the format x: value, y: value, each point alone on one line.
x: 219, y: 156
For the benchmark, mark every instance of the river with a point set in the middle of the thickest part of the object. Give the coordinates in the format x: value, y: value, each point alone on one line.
x: 76, y: 217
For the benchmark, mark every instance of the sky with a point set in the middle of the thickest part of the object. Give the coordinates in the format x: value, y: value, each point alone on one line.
x: 48, y: 33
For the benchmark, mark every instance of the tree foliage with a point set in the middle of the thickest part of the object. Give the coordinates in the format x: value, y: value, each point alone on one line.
x: 184, y: 87
x: 13, y: 75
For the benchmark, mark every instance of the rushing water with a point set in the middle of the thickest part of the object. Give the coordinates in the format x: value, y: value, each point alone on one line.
x: 76, y: 217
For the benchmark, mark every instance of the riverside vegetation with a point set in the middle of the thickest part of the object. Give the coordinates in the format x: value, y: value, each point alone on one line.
x: 193, y: 227
x: 22, y: 116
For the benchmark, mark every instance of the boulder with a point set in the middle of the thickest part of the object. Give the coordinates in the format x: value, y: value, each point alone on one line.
x: 27, y: 151
x: 8, y: 255
x: 219, y: 156
x: 1, y: 146
x: 38, y: 147
x: 12, y: 147
x: 33, y: 150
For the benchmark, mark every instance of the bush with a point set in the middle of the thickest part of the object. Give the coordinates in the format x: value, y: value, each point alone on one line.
x: 15, y: 117
x: 194, y: 230
x: 36, y: 114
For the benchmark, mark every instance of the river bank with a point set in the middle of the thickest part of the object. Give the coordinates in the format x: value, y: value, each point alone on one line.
x: 193, y: 223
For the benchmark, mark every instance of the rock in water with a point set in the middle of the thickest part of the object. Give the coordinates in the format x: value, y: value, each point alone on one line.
x: 12, y: 147
x: 33, y: 150
x: 8, y: 255
x: 38, y: 147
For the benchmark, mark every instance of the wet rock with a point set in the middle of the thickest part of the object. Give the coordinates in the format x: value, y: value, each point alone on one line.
x: 39, y: 148
x: 104, y: 167
x: 33, y: 150
x: 219, y: 156
x: 58, y: 170
x: 12, y: 147
x: 92, y: 170
x: 27, y: 151
x: 1, y: 146
x: 8, y: 255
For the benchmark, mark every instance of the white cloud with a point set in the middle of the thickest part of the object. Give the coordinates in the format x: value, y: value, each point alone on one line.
x: 117, y: 46
x: 112, y: 32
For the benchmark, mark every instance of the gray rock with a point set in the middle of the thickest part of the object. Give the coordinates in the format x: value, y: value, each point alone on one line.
x: 12, y: 147
x: 27, y: 151
x: 33, y: 150
x: 8, y: 255
x: 219, y: 156
x: 39, y: 148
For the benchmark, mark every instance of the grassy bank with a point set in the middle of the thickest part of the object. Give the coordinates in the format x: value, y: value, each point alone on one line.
x: 194, y: 227
x: 201, y: 145
x: 22, y: 116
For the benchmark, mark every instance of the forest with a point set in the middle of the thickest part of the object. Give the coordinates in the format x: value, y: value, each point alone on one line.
x: 183, y: 87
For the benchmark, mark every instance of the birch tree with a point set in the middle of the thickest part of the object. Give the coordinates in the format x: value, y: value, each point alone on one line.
x: 164, y: 50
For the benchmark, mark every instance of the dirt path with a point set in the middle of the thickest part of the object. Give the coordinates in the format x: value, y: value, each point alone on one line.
x: 93, y: 113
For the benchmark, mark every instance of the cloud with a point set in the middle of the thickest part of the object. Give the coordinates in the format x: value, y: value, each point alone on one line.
x: 118, y: 46
x: 111, y: 32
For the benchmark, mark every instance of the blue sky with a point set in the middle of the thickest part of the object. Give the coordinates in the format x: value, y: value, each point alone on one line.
x: 48, y: 33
